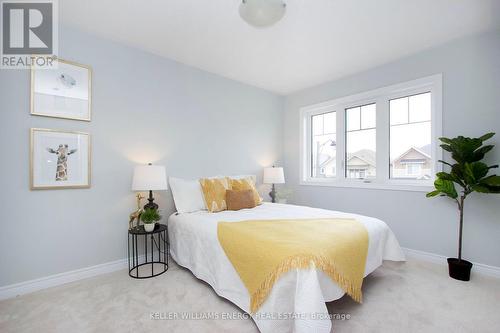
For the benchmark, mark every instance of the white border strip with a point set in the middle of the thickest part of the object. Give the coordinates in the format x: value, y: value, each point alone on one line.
x: 30, y: 286
x: 492, y: 271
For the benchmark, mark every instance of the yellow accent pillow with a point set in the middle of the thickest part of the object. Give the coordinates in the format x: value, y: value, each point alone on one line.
x: 214, y: 193
x: 245, y: 184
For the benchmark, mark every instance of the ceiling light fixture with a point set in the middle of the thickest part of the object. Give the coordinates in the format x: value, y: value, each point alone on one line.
x: 262, y: 13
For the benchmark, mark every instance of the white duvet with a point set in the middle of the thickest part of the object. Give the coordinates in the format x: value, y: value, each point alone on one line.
x: 301, y: 293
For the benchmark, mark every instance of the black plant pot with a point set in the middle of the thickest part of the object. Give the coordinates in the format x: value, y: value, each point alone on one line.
x: 459, y: 269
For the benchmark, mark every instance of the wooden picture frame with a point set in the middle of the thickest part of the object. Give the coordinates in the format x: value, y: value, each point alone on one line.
x: 59, y: 159
x: 63, y: 92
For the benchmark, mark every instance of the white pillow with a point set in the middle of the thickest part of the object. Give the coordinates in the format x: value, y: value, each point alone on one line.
x: 188, y: 196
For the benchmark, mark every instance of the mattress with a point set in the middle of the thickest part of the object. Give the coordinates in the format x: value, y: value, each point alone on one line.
x: 297, y: 300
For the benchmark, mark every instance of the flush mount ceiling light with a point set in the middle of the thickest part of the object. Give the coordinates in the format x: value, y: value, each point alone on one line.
x: 262, y: 13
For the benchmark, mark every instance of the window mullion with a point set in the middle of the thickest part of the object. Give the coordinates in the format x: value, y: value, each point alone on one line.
x: 341, y: 133
x: 382, y: 156
x: 306, y: 129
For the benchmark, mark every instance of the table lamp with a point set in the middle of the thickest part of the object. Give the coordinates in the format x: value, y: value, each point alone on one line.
x: 273, y: 176
x: 149, y: 178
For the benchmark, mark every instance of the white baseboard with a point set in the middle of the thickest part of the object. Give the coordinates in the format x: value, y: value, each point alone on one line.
x: 441, y: 260
x: 30, y: 286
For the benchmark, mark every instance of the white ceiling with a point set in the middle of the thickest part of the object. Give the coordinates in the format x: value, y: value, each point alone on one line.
x: 317, y: 40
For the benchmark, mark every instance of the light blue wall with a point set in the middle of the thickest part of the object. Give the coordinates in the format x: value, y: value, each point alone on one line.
x: 471, y: 107
x: 145, y: 108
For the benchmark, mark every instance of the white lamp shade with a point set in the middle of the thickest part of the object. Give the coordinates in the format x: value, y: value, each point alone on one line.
x: 274, y: 176
x: 262, y: 13
x: 149, y: 178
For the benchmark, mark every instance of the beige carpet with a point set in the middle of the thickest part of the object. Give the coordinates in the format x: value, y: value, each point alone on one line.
x: 398, y: 297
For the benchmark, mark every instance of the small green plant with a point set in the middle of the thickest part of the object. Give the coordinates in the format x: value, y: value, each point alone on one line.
x: 283, y: 193
x: 468, y: 172
x: 150, y: 215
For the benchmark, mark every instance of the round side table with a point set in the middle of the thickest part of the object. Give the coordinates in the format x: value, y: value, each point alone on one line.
x: 156, y: 250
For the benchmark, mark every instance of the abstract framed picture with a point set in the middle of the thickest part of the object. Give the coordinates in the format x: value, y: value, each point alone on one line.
x: 62, y: 92
x: 59, y: 159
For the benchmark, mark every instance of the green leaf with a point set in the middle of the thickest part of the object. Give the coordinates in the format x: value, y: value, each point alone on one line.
x: 446, y: 147
x: 487, y: 136
x: 446, y: 140
x: 447, y: 187
x: 479, y: 153
x: 475, y: 171
x: 491, y: 181
x: 445, y: 176
x: 481, y: 188
x: 468, y: 174
x: 463, y: 149
x: 458, y: 171
x: 433, y: 194
x: 494, y: 189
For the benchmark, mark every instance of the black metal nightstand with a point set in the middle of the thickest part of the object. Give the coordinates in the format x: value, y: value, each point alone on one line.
x: 155, y: 242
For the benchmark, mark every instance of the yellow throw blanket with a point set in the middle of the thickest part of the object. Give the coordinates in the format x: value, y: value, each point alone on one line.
x: 263, y: 250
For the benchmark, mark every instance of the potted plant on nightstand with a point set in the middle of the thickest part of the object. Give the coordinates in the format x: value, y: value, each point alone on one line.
x: 283, y: 194
x: 149, y: 217
x: 471, y: 175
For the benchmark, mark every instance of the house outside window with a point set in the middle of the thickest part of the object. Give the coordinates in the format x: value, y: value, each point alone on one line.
x: 415, y: 163
x: 361, y: 141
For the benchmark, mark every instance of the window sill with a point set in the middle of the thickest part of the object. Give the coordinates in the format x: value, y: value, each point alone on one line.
x: 391, y: 186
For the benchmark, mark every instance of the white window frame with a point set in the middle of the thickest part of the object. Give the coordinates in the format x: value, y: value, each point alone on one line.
x: 381, y: 97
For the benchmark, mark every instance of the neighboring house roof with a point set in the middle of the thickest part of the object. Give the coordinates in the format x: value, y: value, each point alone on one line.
x: 426, y: 150
x: 365, y: 155
x: 325, y: 160
x: 423, y: 152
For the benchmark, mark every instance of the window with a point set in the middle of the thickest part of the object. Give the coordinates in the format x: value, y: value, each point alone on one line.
x: 324, y: 145
x: 356, y: 173
x: 384, y: 138
x: 360, y: 141
x: 410, y: 137
x: 413, y: 169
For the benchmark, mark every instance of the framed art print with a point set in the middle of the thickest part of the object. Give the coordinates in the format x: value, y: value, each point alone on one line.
x: 59, y: 159
x: 62, y: 92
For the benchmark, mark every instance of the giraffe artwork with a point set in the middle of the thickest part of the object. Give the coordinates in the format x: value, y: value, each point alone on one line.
x: 62, y: 161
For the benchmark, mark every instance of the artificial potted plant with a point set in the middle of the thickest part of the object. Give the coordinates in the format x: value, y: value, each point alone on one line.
x: 470, y: 175
x: 149, y: 217
x: 282, y: 195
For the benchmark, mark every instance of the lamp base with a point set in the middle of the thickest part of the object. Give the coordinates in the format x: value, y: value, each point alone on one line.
x: 151, y: 204
x: 272, y: 194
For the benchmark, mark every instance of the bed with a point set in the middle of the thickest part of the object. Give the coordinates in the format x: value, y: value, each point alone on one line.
x: 300, y: 292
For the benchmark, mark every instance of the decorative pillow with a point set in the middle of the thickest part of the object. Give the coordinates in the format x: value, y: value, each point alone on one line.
x: 253, y: 177
x: 237, y: 200
x: 214, y: 193
x: 245, y: 184
x: 187, y: 195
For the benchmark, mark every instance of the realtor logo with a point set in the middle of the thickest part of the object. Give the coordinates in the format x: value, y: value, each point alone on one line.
x: 29, y: 33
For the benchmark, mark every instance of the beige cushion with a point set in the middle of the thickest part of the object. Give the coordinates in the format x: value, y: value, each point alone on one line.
x: 237, y: 200
x: 247, y: 183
